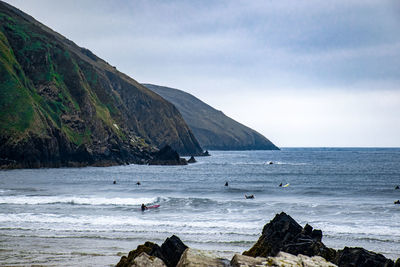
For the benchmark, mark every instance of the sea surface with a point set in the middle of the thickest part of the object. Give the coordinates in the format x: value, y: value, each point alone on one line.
x: 78, y: 217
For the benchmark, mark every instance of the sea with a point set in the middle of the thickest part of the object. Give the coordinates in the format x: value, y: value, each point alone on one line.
x: 78, y: 217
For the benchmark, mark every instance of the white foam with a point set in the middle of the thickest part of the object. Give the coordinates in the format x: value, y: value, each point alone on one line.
x: 82, y: 221
x: 37, y: 200
x: 358, y: 229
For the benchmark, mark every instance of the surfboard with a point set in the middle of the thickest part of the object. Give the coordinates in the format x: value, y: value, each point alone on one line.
x: 286, y: 185
x: 153, y: 206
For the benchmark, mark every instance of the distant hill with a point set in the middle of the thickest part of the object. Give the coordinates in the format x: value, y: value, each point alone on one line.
x: 212, y: 128
x: 61, y: 105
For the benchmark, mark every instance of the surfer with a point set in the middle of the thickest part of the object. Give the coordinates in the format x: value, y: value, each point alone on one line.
x: 397, y: 202
x: 143, y: 207
x: 249, y: 197
x: 226, y: 183
x: 397, y: 187
x: 114, y: 182
x: 138, y: 183
x: 280, y: 185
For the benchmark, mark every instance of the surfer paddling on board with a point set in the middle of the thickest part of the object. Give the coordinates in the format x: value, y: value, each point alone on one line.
x: 143, y: 207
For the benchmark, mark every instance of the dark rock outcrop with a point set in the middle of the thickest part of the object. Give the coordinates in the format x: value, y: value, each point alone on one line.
x: 206, y: 153
x: 283, y: 233
x: 167, y: 156
x: 212, y: 128
x: 192, y: 160
x: 281, y: 241
x: 61, y: 105
x: 170, y: 252
x: 351, y: 257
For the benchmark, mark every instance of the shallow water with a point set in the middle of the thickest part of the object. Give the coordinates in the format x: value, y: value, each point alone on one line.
x: 77, y: 216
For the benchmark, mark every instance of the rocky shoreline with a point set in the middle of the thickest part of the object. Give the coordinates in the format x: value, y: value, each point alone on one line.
x: 283, y: 243
x: 165, y: 156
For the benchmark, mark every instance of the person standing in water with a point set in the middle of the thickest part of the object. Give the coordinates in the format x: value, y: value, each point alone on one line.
x: 143, y: 207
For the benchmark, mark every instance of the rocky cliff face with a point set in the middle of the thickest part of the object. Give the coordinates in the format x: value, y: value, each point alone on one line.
x: 212, y: 128
x: 60, y: 105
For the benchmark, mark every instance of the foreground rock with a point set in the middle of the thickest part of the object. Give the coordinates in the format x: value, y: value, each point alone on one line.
x: 285, y: 234
x: 349, y: 257
x: 198, y: 258
x: 282, y: 259
x: 144, y: 260
x: 283, y: 243
x: 170, y: 252
x: 167, y: 156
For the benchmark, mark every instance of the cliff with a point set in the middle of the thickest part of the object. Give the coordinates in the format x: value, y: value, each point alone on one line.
x: 213, y: 129
x: 61, y: 105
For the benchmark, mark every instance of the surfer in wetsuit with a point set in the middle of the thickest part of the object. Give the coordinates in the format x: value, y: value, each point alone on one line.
x: 143, y: 207
x: 138, y: 183
x: 114, y: 182
x: 280, y: 185
x: 226, y: 183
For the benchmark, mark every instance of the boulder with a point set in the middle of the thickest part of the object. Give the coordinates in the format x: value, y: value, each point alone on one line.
x: 167, y: 156
x: 289, y: 260
x: 200, y: 258
x: 349, y: 257
x: 170, y: 252
x: 128, y: 261
x: 283, y: 233
x: 192, y: 160
x: 247, y: 261
x: 206, y: 153
x: 286, y: 235
x: 144, y: 260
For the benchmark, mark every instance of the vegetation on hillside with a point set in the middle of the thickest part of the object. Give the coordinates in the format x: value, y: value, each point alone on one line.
x: 62, y: 105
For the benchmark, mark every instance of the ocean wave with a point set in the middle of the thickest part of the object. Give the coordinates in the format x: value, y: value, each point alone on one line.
x: 85, y: 221
x: 122, y: 233
x: 74, y: 200
x: 358, y: 231
x: 2, y: 191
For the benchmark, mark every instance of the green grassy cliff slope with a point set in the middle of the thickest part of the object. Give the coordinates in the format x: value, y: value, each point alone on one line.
x: 61, y: 105
x: 212, y: 128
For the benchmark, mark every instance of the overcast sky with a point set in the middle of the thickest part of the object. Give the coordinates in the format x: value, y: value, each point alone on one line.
x: 302, y: 73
